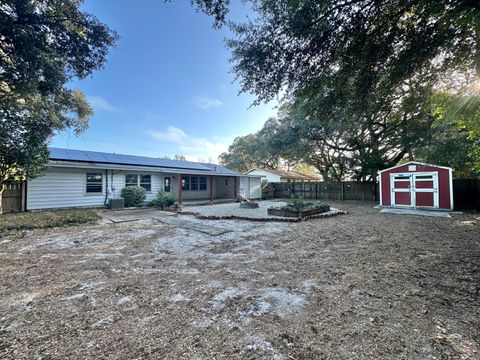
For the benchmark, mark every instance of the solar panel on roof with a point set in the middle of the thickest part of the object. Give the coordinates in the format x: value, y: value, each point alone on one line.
x: 94, y: 156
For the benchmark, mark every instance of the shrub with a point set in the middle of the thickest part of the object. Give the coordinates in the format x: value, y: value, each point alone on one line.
x: 133, y: 196
x: 297, y: 202
x: 162, y: 200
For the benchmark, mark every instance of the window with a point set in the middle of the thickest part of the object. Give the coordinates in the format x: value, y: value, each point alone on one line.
x: 146, y: 182
x: 424, y: 177
x: 131, y: 180
x: 186, y: 183
x: 194, y: 183
x: 166, y: 184
x: 203, y: 184
x: 227, y: 182
x: 94, y: 183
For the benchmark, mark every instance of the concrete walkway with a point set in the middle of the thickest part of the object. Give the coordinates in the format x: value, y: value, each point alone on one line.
x: 431, y: 213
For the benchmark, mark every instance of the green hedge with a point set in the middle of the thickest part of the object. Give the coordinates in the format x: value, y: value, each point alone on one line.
x: 133, y: 196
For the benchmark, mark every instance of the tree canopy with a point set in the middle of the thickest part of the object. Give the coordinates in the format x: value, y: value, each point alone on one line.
x: 44, y: 45
x: 362, y: 80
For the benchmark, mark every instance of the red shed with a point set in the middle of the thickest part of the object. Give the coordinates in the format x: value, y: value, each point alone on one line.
x: 417, y: 185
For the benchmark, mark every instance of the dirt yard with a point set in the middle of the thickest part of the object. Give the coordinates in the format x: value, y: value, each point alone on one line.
x: 360, y: 286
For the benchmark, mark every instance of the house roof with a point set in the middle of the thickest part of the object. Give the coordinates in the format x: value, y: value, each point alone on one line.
x: 132, y: 160
x: 289, y: 174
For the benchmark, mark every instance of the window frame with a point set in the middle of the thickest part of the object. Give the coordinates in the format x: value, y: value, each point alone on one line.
x: 90, y: 193
x: 204, y: 183
x: 185, y: 183
x: 127, y: 184
x: 141, y: 183
x: 194, y: 183
x: 169, y: 184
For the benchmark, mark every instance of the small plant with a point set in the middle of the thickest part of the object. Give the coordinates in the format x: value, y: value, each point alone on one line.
x: 162, y: 200
x: 133, y: 196
x: 296, y: 202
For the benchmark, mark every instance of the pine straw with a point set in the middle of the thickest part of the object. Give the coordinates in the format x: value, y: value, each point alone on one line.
x: 46, y: 219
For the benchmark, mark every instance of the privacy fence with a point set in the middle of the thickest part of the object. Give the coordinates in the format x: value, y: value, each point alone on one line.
x: 466, y: 192
x: 346, y: 190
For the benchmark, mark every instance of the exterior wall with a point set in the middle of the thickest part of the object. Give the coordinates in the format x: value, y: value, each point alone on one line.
x: 224, y: 187
x: 65, y: 187
x: 444, y: 178
x: 265, y: 175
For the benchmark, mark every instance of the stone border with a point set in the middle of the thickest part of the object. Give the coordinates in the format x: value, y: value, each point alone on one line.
x: 265, y: 219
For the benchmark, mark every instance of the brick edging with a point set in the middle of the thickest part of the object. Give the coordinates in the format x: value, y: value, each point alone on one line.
x: 279, y: 219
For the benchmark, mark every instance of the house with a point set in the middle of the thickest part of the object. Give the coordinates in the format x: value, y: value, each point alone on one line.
x: 417, y: 185
x: 269, y: 175
x: 78, y: 178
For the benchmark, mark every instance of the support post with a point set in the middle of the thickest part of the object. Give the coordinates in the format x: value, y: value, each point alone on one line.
x: 211, y: 187
x: 180, y: 194
x: 235, y: 188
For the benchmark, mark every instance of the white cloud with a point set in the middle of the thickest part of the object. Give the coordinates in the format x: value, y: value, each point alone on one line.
x: 100, y: 104
x: 172, y: 134
x: 206, y: 103
x: 192, y: 147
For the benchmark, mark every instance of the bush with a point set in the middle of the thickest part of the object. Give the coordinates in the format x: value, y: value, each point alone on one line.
x: 133, y: 196
x: 162, y: 200
x: 297, y: 202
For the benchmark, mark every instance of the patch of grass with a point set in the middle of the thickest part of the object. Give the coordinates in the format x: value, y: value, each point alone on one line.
x: 46, y: 219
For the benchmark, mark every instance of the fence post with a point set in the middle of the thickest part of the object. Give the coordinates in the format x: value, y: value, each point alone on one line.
x: 342, y: 190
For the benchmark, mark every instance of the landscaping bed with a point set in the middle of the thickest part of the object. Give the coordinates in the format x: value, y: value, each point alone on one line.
x: 288, y: 211
x: 46, y: 219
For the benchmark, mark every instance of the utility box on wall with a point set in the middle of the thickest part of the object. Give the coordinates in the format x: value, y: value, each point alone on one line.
x: 116, y: 203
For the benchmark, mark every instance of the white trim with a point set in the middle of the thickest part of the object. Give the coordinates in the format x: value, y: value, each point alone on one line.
x: 102, y: 166
x: 416, y: 163
x: 412, y: 189
x: 380, y: 190
x: 451, y: 187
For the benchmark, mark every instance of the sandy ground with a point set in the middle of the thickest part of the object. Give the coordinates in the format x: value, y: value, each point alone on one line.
x: 361, y: 286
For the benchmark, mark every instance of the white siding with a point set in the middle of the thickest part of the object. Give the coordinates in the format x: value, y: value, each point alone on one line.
x: 255, y: 188
x: 265, y: 175
x: 250, y: 187
x: 65, y: 187
x: 62, y: 188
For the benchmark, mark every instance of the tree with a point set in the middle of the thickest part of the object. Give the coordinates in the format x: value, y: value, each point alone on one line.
x: 180, y: 157
x: 359, y: 72
x: 250, y: 151
x: 43, y: 45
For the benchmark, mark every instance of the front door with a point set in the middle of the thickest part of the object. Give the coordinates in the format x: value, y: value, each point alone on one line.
x: 414, y: 190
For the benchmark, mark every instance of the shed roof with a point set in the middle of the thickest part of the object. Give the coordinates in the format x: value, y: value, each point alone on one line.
x: 414, y: 163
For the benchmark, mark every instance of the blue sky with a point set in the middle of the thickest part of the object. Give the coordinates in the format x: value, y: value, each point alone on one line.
x: 167, y: 87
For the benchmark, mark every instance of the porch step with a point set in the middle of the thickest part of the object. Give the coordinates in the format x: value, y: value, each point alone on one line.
x: 206, y: 202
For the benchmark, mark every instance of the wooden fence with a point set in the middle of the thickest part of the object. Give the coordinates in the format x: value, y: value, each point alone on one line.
x: 346, y: 190
x: 12, y: 198
x: 466, y: 192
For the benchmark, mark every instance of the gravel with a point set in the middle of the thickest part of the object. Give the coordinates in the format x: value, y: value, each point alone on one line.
x: 366, y: 285
x: 234, y: 209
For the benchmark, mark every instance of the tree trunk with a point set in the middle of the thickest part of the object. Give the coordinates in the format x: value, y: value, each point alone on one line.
x: 2, y: 189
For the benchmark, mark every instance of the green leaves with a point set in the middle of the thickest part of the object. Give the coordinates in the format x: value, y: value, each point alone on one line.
x: 43, y: 45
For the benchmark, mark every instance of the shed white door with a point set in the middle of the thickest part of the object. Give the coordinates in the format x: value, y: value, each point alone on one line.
x: 414, y: 190
x: 245, y: 187
x: 425, y: 190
